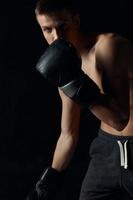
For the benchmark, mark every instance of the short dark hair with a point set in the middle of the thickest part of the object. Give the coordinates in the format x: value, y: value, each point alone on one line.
x: 89, y: 23
x: 53, y: 6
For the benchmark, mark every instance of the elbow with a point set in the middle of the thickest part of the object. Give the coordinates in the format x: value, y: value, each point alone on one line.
x: 122, y: 122
x: 120, y: 126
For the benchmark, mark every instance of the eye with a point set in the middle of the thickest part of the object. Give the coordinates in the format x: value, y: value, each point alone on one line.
x: 47, y: 30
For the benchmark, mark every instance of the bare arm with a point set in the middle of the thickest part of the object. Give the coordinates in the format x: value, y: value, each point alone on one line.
x: 113, y: 107
x: 69, y: 133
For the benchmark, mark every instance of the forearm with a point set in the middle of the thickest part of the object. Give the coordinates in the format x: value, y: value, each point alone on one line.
x: 51, y: 180
x: 64, y: 151
x: 110, y: 112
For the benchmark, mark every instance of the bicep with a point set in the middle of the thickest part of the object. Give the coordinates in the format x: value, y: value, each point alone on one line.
x: 115, y: 61
x: 117, y: 82
x: 70, y: 119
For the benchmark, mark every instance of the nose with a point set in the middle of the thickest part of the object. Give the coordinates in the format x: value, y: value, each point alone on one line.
x: 57, y: 34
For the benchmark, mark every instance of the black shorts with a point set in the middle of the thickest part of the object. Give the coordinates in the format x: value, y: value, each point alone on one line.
x: 110, y: 172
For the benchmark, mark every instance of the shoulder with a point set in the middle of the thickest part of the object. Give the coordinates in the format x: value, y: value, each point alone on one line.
x: 112, y: 41
x: 111, y: 48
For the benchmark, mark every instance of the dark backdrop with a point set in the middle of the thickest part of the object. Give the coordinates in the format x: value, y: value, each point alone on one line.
x: 30, y: 108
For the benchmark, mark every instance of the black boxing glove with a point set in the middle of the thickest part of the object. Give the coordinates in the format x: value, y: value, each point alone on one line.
x: 61, y: 65
x: 48, y: 185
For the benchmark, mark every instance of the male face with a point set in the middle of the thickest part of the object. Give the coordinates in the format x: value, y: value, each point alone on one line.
x: 59, y: 25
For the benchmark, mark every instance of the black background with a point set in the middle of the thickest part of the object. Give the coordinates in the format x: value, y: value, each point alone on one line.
x: 30, y: 108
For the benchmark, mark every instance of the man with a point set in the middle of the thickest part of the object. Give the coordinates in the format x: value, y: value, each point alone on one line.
x: 107, y: 60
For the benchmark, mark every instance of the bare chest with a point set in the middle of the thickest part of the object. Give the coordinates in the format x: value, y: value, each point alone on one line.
x: 89, y: 66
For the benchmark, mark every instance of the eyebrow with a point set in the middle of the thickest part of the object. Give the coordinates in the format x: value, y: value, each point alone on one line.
x: 45, y: 26
x: 59, y: 23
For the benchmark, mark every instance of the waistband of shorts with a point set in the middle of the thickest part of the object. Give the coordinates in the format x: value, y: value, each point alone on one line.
x: 108, y: 136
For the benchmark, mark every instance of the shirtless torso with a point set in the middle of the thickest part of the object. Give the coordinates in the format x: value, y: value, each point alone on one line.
x: 96, y: 71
